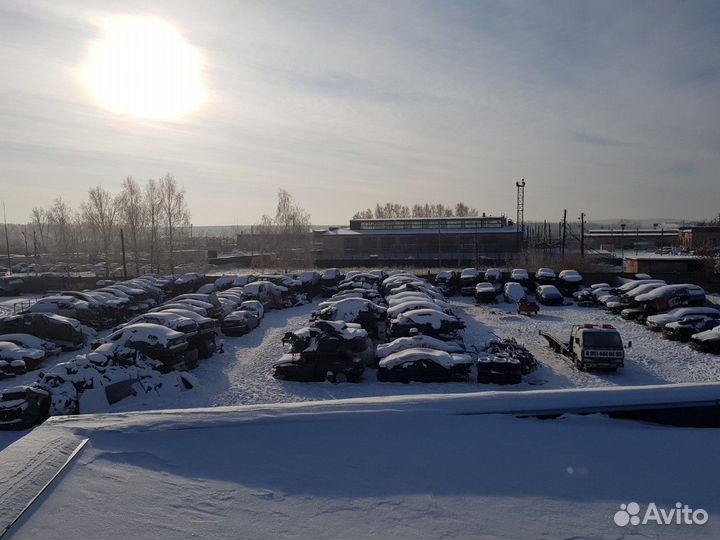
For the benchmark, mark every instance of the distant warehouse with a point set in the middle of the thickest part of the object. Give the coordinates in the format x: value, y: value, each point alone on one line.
x: 451, y: 241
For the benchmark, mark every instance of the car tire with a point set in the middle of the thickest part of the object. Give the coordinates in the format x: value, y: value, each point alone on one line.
x: 340, y: 378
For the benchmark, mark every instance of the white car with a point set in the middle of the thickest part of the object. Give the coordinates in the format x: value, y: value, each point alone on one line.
x: 514, y: 292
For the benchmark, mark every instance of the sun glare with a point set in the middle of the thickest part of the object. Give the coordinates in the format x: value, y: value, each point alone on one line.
x: 143, y: 67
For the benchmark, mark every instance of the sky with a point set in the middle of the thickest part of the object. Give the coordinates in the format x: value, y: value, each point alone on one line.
x: 609, y: 108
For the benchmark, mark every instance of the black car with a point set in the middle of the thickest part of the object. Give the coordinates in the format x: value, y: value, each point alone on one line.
x: 327, y: 338
x: 707, y: 341
x: 424, y: 365
x: 22, y: 407
x: 426, y: 321
x: 448, y: 282
x: 485, y: 293
x: 65, y: 332
x: 549, y: 295
x: 329, y: 281
x: 335, y: 369
x: 239, y: 322
x: 468, y: 279
x: 684, y: 329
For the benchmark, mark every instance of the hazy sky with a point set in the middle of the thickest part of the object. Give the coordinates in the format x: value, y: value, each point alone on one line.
x: 612, y: 108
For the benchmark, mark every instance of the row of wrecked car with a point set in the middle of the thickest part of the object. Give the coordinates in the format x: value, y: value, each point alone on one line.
x: 465, y: 282
x: 398, y: 324
x: 159, y: 339
x: 679, y: 311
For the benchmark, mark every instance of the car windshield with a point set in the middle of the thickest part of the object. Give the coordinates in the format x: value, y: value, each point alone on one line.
x: 601, y: 339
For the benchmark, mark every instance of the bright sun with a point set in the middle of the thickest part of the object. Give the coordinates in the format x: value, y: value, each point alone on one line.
x: 143, y: 67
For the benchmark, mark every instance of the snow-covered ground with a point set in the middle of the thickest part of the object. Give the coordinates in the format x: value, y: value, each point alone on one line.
x: 378, y: 468
x: 242, y: 374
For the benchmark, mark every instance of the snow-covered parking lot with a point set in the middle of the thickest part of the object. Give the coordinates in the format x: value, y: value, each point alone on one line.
x: 242, y: 374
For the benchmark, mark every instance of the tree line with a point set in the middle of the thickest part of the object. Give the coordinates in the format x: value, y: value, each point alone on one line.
x: 395, y: 210
x: 150, y: 217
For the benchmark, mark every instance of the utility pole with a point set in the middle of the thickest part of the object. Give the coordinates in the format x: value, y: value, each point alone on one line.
x: 35, y: 244
x: 7, y: 239
x: 582, y: 234
x: 520, y: 217
x: 122, y: 245
x: 564, y: 234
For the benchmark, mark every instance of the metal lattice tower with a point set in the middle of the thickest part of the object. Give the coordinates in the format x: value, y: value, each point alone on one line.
x: 520, y: 219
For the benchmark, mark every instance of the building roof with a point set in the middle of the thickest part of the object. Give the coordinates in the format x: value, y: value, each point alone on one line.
x: 345, y: 231
x: 606, y: 233
x: 702, y: 228
x: 665, y: 258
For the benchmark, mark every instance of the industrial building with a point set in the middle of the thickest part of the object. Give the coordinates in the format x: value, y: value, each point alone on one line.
x: 447, y: 241
x: 627, y: 238
x: 700, y: 238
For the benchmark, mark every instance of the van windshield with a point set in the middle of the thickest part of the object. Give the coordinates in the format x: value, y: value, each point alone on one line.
x: 601, y: 339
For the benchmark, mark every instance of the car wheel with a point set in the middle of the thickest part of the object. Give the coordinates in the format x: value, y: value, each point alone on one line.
x: 340, y: 378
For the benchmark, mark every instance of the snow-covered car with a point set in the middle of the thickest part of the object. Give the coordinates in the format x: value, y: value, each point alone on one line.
x: 32, y: 342
x: 685, y: 328
x: 224, y: 282
x: 255, y: 306
x: 426, y: 321
x: 570, y: 278
x: 668, y: 297
x: 514, y: 293
x: 309, y: 282
x: 67, y: 306
x: 545, y: 276
x: 31, y: 357
x: 397, y: 309
x: 421, y: 287
x: 469, y: 277
x: 549, y: 295
x: 630, y: 285
x: 333, y: 369
x: 707, y: 341
x: 521, y: 276
x: 179, y: 305
x: 157, y: 342
x: 205, y: 340
x: 627, y: 300
x: 188, y: 282
x: 399, y: 298
x: 212, y: 310
x: 424, y: 365
x: 174, y: 321
x: 239, y: 322
x: 65, y: 332
x: 447, y: 281
x: 10, y: 286
x: 329, y: 281
x: 417, y: 340
x: 356, y: 310
x: 330, y: 338
x: 493, y: 275
x: 22, y: 407
x: 485, y: 293
x: 658, y: 322
x: 260, y: 290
